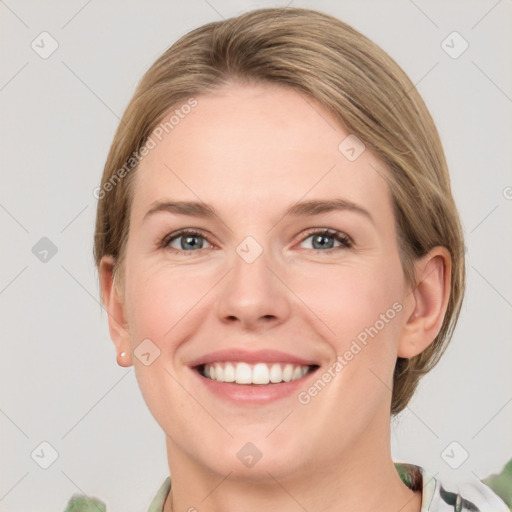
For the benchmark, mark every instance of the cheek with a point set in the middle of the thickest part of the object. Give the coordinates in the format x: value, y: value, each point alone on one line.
x: 358, y: 308
x: 351, y: 297
x: 162, y: 302
x: 163, y: 306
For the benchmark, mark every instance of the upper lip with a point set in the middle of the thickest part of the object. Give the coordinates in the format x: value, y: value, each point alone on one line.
x: 253, y: 356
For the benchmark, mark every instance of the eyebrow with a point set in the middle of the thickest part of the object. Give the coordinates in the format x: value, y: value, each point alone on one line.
x: 301, y: 209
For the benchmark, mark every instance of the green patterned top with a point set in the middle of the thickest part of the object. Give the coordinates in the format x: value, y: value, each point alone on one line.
x: 471, y: 496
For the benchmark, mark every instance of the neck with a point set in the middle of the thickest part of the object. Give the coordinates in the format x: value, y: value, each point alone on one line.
x: 354, y: 479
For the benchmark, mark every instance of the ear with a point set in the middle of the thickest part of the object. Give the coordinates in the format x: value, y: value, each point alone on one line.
x: 114, y: 306
x: 426, y: 304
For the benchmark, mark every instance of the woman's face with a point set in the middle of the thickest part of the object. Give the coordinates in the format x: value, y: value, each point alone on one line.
x: 276, y: 275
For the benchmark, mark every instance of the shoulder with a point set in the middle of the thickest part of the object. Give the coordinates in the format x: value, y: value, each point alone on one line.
x: 501, y: 483
x: 467, y: 495
x: 82, y: 503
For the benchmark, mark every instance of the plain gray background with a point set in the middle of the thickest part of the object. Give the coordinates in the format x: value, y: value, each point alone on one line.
x: 60, y: 383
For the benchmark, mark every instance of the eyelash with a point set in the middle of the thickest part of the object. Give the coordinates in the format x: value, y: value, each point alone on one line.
x: 345, y: 241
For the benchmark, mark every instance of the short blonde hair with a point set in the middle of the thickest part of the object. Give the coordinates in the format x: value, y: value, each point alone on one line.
x: 332, y: 63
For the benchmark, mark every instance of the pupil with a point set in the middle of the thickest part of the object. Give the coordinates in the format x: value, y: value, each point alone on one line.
x: 320, y: 239
x: 190, y: 240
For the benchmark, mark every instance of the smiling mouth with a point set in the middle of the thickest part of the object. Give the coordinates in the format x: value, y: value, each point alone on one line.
x: 259, y: 373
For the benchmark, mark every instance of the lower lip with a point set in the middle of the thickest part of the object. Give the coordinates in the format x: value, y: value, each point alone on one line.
x: 254, y: 393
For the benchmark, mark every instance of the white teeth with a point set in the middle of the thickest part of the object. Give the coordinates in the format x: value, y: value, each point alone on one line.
x: 260, y: 373
x: 243, y: 374
x: 297, y: 373
x: 288, y: 373
x: 219, y: 372
x: 276, y: 374
x: 229, y: 373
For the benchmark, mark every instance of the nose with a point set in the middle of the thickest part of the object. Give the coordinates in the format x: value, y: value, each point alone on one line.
x: 253, y: 295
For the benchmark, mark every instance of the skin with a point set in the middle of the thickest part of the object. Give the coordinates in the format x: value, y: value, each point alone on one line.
x: 250, y: 152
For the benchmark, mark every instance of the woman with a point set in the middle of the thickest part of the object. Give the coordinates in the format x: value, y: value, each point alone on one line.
x: 282, y: 260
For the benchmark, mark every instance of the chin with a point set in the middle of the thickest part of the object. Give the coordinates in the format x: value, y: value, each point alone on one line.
x: 256, y: 458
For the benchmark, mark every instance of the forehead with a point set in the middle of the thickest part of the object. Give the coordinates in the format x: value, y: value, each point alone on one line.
x: 248, y: 146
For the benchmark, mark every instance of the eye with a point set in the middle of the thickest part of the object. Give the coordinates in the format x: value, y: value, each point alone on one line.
x: 184, y: 241
x: 325, y: 239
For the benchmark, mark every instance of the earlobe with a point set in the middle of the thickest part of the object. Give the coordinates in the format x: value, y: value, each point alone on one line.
x: 428, y: 302
x: 114, y: 306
